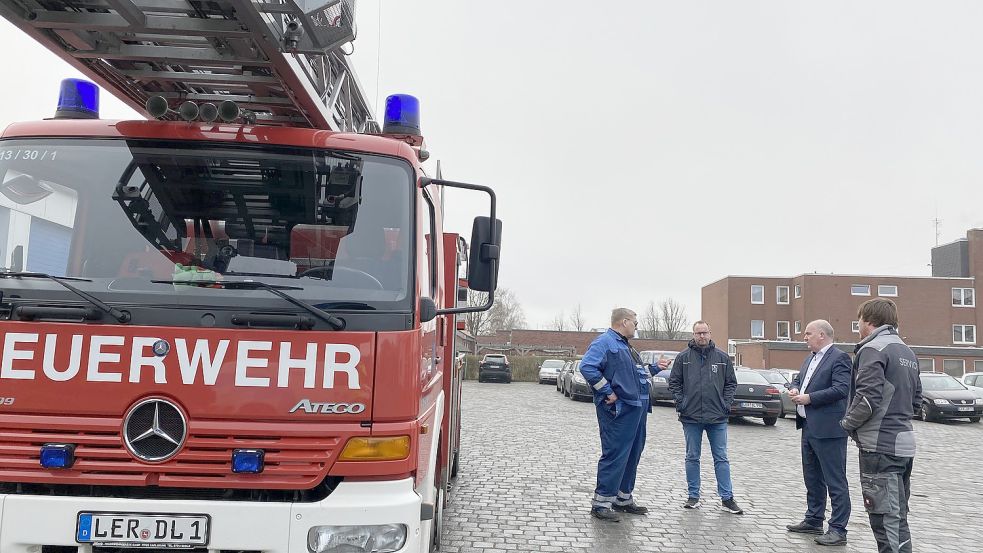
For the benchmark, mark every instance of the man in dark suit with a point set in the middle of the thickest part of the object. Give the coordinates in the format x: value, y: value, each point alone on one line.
x: 820, y: 392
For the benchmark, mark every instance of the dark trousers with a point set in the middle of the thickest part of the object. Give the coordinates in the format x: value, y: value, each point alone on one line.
x: 824, y: 472
x: 622, y: 441
x: 886, y: 484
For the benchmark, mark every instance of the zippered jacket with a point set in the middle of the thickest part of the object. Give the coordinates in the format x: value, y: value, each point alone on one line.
x: 703, y: 384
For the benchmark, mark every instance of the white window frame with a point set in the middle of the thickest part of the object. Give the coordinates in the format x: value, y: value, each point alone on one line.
x: 961, y: 362
x: 962, y: 297
x: 855, y: 327
x: 798, y: 291
x: 926, y: 364
x: 760, y: 336
x: 798, y: 327
x: 760, y: 287
x: 884, y: 294
x: 778, y: 330
x: 778, y: 295
x: 962, y: 333
x: 852, y: 286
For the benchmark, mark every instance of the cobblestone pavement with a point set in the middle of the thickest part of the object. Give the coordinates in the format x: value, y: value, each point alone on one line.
x: 529, y: 457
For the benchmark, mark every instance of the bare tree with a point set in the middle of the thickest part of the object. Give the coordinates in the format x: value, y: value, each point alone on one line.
x: 559, y: 322
x: 672, y: 318
x: 507, y: 313
x: 650, y: 321
x: 477, y: 323
x: 577, y: 319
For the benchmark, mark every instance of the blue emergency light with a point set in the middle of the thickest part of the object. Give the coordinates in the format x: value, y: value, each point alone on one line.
x: 57, y: 456
x: 402, y: 115
x: 78, y: 99
x: 249, y: 461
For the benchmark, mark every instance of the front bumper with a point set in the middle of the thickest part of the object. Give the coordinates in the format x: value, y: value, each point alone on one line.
x: 580, y: 390
x: 953, y: 412
x: 547, y: 377
x: 769, y: 408
x: 660, y: 392
x: 29, y: 521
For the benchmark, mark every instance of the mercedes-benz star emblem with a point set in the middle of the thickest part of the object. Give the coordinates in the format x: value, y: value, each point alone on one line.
x: 161, y: 347
x: 154, y: 430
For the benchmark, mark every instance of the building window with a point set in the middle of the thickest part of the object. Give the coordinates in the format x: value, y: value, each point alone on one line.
x: 798, y: 290
x: 889, y: 290
x: 856, y: 327
x: 926, y: 365
x: 954, y: 367
x: 978, y: 367
x: 782, y: 332
x: 860, y: 290
x: 757, y: 293
x: 781, y: 295
x: 964, y: 334
x: 963, y: 297
x: 757, y: 329
x: 798, y: 327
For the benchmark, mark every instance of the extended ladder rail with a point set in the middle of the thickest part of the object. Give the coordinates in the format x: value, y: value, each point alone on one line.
x: 281, y: 59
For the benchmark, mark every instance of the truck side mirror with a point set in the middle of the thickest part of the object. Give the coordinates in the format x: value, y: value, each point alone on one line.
x: 486, y: 245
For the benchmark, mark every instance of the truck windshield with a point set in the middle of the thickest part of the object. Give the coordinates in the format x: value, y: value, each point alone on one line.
x: 125, y: 213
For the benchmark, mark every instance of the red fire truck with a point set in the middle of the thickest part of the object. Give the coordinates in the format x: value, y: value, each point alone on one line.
x: 231, y: 327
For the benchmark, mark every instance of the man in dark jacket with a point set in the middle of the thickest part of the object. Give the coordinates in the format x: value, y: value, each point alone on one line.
x: 820, y: 391
x: 884, y: 395
x: 615, y: 371
x: 703, y: 383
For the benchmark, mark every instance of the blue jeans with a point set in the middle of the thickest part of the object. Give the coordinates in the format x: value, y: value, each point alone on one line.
x: 717, y: 435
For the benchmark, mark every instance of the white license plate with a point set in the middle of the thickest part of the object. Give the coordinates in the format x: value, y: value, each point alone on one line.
x: 752, y: 406
x: 965, y: 408
x: 143, y: 530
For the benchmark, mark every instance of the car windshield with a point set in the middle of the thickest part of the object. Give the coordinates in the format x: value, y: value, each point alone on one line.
x: 751, y: 377
x: 941, y: 383
x: 552, y: 364
x: 774, y: 377
x: 123, y: 213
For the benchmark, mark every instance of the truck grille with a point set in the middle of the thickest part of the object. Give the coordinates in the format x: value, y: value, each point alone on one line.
x: 298, y: 455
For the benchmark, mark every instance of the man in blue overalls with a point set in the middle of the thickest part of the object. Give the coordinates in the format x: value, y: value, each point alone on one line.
x: 621, y: 397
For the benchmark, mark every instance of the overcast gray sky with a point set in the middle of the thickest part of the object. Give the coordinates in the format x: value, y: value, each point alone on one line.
x: 642, y: 150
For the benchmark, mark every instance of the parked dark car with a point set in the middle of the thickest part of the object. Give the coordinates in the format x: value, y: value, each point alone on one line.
x: 577, y: 386
x: 756, y: 397
x: 659, y: 388
x: 944, y: 397
x: 777, y: 379
x: 495, y: 366
x: 561, y: 375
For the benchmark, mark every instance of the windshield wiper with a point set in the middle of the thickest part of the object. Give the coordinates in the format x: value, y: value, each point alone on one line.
x: 121, y: 316
x: 335, y: 322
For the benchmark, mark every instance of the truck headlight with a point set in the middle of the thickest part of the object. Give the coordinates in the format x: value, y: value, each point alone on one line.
x: 942, y: 401
x: 353, y: 539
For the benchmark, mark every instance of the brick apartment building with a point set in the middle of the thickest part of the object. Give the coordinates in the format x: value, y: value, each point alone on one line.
x: 755, y: 315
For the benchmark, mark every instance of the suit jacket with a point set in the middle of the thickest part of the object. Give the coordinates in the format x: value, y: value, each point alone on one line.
x: 828, y: 390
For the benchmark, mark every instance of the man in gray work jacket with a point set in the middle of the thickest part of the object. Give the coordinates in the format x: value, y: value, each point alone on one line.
x: 884, y: 395
x: 703, y: 383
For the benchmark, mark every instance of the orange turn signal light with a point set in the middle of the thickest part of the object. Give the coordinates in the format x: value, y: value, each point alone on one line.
x: 391, y: 448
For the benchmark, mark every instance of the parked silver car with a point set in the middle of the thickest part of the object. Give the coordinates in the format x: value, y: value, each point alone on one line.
x: 549, y: 370
x: 973, y: 381
x: 777, y: 379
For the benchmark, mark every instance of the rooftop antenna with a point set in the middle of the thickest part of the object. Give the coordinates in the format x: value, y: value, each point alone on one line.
x: 938, y: 225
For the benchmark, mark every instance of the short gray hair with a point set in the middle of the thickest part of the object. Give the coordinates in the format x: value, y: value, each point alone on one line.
x: 823, y: 326
x: 620, y: 313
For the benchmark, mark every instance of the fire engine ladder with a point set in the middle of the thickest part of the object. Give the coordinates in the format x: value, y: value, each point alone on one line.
x: 282, y: 60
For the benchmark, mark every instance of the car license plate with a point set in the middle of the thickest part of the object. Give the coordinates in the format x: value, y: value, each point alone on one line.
x: 965, y: 408
x: 143, y: 530
x: 752, y: 405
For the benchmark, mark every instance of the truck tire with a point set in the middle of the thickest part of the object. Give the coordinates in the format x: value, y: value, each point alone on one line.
x: 770, y: 421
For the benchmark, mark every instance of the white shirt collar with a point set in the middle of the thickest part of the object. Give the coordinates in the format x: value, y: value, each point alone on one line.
x: 823, y: 351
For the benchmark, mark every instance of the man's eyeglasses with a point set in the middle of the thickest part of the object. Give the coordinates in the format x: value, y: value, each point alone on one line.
x: 707, y: 333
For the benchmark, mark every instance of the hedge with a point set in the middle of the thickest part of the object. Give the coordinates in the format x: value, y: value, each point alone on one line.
x: 525, y: 368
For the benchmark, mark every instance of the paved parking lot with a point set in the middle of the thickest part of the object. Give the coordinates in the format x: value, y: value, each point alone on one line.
x: 529, y: 459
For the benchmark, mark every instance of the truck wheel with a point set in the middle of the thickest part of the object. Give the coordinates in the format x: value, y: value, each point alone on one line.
x: 770, y: 421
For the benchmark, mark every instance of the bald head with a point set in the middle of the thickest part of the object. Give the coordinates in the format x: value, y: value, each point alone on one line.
x: 818, y: 334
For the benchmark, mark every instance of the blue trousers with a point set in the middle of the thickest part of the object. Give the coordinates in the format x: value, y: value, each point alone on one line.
x: 824, y: 472
x: 622, y: 440
x: 717, y: 435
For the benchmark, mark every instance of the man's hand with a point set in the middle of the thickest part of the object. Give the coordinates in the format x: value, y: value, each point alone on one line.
x: 663, y: 364
x: 611, y: 399
x: 801, y: 399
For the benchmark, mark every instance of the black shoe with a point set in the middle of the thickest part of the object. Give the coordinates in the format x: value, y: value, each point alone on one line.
x: 631, y: 509
x: 605, y: 514
x: 692, y: 503
x: 730, y: 506
x: 805, y: 528
x: 831, y: 538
